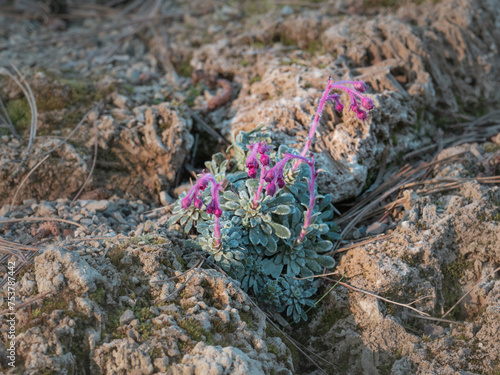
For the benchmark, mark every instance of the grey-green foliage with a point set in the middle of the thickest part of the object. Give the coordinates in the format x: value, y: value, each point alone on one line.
x: 259, y: 245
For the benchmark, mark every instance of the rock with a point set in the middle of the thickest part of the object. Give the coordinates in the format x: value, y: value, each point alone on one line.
x: 376, y: 228
x: 57, y: 268
x: 217, y: 360
x: 127, y: 317
x: 97, y: 205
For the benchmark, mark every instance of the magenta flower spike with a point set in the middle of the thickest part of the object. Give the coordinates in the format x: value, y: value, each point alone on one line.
x: 355, y: 97
x: 213, y: 207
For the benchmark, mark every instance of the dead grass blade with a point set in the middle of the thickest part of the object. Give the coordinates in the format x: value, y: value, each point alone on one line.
x: 13, y: 202
x: 376, y: 296
x: 7, y: 120
x: 46, y: 219
x: 96, y: 144
x: 360, y: 243
x: 25, y: 303
x: 466, y: 294
x: 195, y: 269
x: 28, y: 93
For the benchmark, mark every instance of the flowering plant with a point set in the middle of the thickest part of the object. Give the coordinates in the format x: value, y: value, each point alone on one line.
x: 275, y: 242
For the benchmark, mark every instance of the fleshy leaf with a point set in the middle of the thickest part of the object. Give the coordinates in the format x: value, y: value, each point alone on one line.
x: 280, y: 230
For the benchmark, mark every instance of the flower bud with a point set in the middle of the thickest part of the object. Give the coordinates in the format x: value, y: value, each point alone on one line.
x: 252, y: 172
x: 198, y: 203
x: 269, y: 175
x: 262, y: 148
x: 202, y: 184
x: 339, y: 107
x: 218, y: 212
x: 186, y: 202
x: 271, y: 189
x: 264, y: 159
x: 367, y: 103
x: 360, y: 86
x: 361, y: 115
x: 210, y: 208
x: 281, y: 182
x: 252, y: 163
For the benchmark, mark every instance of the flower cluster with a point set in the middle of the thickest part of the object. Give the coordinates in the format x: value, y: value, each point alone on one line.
x: 273, y: 242
x: 194, y: 197
x: 356, y: 101
x: 355, y: 98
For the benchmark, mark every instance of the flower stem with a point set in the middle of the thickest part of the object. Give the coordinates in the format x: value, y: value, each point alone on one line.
x: 312, y: 201
x: 314, y: 125
x: 260, y: 188
x: 217, y: 232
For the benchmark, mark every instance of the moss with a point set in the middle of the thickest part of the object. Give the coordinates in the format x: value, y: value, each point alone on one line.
x: 99, y: 296
x: 328, y: 319
x: 451, y: 290
x: 192, y: 93
x: 145, y: 329
x: 491, y: 147
x: 255, y: 79
x: 193, y: 329
x: 273, y: 349
x: 248, y: 319
x: 293, y: 351
x: 184, y: 68
x: 315, y: 47
x: 20, y: 113
x: 115, y: 255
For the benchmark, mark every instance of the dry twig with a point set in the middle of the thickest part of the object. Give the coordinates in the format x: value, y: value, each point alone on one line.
x: 376, y: 296
x: 466, y: 294
x: 13, y: 202
x: 45, y: 219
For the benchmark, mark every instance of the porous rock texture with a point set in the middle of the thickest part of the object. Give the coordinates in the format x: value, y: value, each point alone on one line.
x: 446, y: 245
x: 117, y: 293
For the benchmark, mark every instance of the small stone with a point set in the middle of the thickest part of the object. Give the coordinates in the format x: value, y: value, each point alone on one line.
x: 17, y: 215
x: 45, y: 209
x: 149, y: 226
x: 376, y: 228
x: 165, y: 198
x: 127, y: 317
x: 77, y: 218
x: 118, y: 217
x: 86, y: 221
x: 286, y: 10
x: 120, y: 101
x: 97, y: 205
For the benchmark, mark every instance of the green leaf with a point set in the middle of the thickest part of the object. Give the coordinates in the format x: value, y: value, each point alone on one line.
x: 280, y: 230
x: 236, y: 176
x: 174, y: 219
x: 230, y: 196
x: 271, y: 245
x: 266, y: 228
x: 231, y: 205
x: 240, y: 212
x: 252, y: 183
x: 254, y: 236
x: 323, y: 246
x: 282, y: 210
x: 286, y: 199
x: 326, y: 261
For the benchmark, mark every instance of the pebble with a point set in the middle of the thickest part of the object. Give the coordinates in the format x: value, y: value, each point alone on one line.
x: 118, y: 217
x: 45, y: 209
x: 127, y: 317
x: 376, y: 228
x: 97, y: 205
x: 86, y: 221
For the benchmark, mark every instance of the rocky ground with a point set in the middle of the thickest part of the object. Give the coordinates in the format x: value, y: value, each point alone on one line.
x: 104, y: 287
